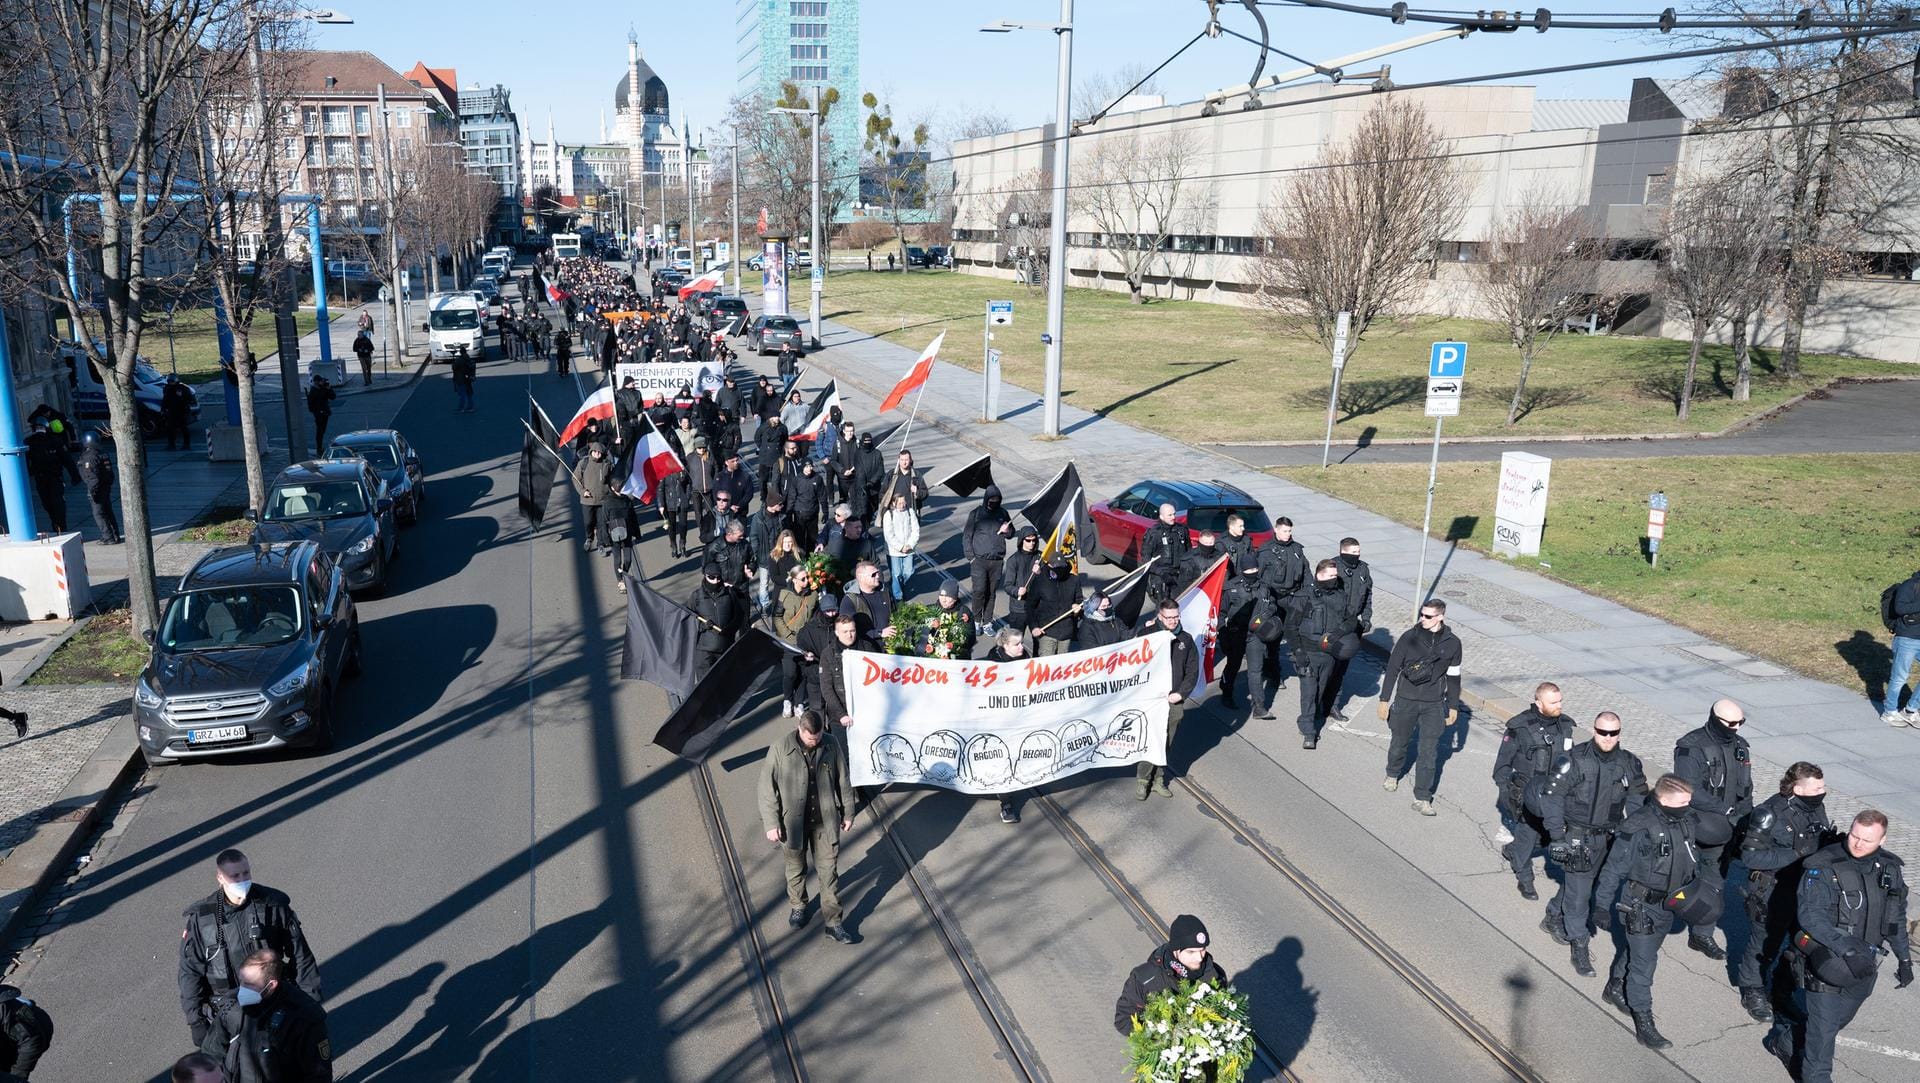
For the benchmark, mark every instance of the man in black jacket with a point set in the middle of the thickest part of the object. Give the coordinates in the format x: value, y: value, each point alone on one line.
x: 25, y: 1032
x: 871, y: 606
x: 1424, y: 669
x: 1527, y: 750
x: 1166, y: 543
x: 1184, y: 957
x: 1653, y: 857
x: 1283, y: 571
x: 1185, y: 658
x: 1717, y: 762
x: 1237, y: 600
x: 1590, y: 790
x: 814, y: 641
x: 320, y: 396
x: 733, y: 556
x: 833, y: 669
x: 1098, y: 626
x: 734, y: 478
x: 1357, y: 579
x: 716, y: 609
x: 1197, y: 561
x: 1782, y: 833
x: 222, y: 931
x: 628, y: 406
x: 96, y: 471
x: 1317, y: 628
x: 984, y: 543
x: 280, y: 1033
x: 1051, y: 605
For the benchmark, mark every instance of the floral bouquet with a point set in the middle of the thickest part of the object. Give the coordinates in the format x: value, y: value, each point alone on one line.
x: 1193, y: 1032
x: 825, y: 574
x: 927, y: 631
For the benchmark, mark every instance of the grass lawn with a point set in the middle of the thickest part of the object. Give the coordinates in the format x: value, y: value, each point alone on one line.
x: 220, y: 523
x: 196, y: 345
x: 1165, y: 364
x: 1781, y: 556
x: 104, y: 652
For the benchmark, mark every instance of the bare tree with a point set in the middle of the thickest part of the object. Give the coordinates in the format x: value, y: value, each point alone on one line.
x: 1025, y: 224
x: 1537, y: 276
x: 1101, y: 89
x: 899, y: 175
x: 1843, y: 178
x: 776, y: 163
x: 1352, y: 233
x: 1709, y: 244
x: 1136, y: 191
x: 102, y: 99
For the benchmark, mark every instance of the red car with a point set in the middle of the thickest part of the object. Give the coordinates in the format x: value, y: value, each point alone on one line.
x: 1120, y: 523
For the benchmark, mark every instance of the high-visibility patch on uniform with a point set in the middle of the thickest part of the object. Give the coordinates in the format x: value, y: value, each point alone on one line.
x: 326, y: 1049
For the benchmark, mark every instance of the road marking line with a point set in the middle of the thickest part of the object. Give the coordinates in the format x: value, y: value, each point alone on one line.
x: 1883, y: 1050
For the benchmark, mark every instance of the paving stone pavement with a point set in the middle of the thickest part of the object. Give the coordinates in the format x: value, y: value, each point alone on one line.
x: 67, y: 724
x: 1518, y: 627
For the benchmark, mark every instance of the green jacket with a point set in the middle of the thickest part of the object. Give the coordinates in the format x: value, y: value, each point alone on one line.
x: 783, y: 787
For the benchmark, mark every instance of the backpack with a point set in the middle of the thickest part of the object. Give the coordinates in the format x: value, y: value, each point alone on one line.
x: 1887, y: 617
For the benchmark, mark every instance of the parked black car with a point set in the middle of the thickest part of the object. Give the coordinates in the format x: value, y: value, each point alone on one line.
x: 343, y: 505
x: 395, y: 460
x: 727, y: 311
x: 248, y: 655
x: 916, y: 257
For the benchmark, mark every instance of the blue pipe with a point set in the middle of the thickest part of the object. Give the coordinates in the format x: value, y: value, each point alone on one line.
x: 13, y: 457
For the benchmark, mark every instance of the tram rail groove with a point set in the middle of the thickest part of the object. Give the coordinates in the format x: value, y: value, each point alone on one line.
x: 766, y: 991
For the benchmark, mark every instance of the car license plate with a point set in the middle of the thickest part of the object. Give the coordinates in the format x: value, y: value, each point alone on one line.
x: 217, y: 734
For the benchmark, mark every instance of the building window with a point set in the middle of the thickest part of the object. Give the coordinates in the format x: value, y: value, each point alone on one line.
x: 336, y: 118
x: 402, y: 116
x: 806, y: 52
x: 362, y: 120
x: 313, y: 152
x: 310, y: 120
x: 800, y: 9
x: 1237, y: 246
x: 808, y: 72
x: 290, y: 147
x: 806, y: 30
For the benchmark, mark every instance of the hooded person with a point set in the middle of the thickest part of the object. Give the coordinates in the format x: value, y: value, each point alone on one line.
x: 814, y: 641
x: 1317, y: 629
x: 1018, y: 573
x: 592, y: 477
x: 1185, y: 957
x: 984, y: 543
x: 1237, y: 600
x: 716, y: 607
x: 1098, y: 627
x: 1053, y: 603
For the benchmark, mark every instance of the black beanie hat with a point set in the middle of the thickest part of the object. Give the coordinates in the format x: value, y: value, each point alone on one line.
x: 1187, y: 933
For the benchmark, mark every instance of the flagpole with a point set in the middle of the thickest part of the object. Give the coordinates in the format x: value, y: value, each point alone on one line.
x: 564, y: 469
x: 914, y: 414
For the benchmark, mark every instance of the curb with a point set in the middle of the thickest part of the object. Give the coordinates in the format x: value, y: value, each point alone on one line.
x: 41, y: 861
x: 40, y: 658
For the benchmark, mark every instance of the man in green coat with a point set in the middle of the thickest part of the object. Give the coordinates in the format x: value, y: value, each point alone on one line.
x: 805, y: 803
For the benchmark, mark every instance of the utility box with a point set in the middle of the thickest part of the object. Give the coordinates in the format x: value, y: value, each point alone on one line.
x: 1520, y: 503
x: 44, y: 579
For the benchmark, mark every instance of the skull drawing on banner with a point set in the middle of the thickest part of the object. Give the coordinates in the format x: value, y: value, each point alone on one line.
x: 1039, y: 751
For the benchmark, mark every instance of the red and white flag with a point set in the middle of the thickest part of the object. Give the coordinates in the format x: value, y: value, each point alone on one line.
x: 555, y: 294
x: 598, y: 407
x: 1200, y: 618
x: 709, y: 281
x: 915, y: 376
x: 823, y: 407
x: 653, y: 461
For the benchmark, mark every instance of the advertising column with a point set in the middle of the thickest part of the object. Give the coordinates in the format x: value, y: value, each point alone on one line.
x: 773, y: 275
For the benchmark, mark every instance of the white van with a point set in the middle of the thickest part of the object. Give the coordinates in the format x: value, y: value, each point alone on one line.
x: 566, y: 246
x: 90, y: 395
x: 453, y: 326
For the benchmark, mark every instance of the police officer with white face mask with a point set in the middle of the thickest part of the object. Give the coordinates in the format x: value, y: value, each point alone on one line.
x: 222, y: 930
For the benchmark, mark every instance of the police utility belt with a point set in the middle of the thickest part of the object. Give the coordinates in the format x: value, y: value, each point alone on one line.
x: 1695, y: 902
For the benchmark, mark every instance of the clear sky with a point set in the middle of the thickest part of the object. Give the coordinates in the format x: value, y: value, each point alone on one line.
x: 926, y: 57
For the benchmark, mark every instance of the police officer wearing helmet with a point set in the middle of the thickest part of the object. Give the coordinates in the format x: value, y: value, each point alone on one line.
x: 96, y: 471
x: 1588, y: 793
x: 1184, y: 957
x: 1783, y: 832
x: 1715, y: 760
x: 1527, y: 750
x: 1853, y: 901
x: 222, y: 931
x: 1654, y: 874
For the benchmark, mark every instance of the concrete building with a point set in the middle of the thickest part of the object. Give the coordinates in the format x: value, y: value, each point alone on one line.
x: 807, y: 43
x: 1618, y: 158
x: 490, y: 139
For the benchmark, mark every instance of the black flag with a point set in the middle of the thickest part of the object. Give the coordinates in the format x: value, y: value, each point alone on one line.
x: 1128, y: 595
x: 660, y: 635
x: 1059, y: 513
x: 697, y: 725
x: 539, y: 465
x: 970, y: 478
x: 881, y: 436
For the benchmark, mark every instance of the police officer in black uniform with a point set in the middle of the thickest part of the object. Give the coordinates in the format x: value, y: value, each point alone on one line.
x: 1590, y: 790
x: 222, y: 931
x: 1853, y: 901
x: 1715, y: 760
x: 47, y: 461
x: 1652, y: 875
x: 1317, y: 629
x: 280, y: 1033
x: 1533, y: 738
x: 96, y: 472
x: 1284, y: 569
x: 1783, y: 831
x: 1356, y: 578
x: 1169, y: 541
x: 1424, y: 668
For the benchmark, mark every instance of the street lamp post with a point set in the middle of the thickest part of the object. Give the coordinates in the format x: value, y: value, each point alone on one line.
x: 733, y: 163
x: 819, y: 271
x: 1057, y: 240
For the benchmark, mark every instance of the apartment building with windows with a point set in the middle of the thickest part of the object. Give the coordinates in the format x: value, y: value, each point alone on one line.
x: 809, y: 43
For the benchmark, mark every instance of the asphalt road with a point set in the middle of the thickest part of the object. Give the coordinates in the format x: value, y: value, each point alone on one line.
x: 1866, y: 418
x: 504, y: 880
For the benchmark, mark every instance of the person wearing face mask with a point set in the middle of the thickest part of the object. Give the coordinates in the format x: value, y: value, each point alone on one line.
x: 222, y: 930
x: 1782, y: 833
x: 1236, y: 621
x: 1198, y: 560
x: 1184, y: 957
x: 1716, y: 761
x: 1018, y: 573
x: 280, y: 1033
x: 1283, y: 571
x: 1357, y: 580
x: 1527, y: 750
x: 1316, y: 626
x: 1098, y: 628
x: 1590, y: 790
x: 1053, y: 607
x: 1654, y: 873
x: 983, y: 542
x: 1424, y: 669
x: 1852, y: 908
x: 716, y: 607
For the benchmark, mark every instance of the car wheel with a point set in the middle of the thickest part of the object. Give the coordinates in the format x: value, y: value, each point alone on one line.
x: 323, y: 722
x: 352, y: 667
x: 1097, y: 555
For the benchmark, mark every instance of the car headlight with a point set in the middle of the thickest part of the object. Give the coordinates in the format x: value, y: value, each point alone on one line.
x: 291, y: 683
x: 364, y: 545
x: 145, y: 696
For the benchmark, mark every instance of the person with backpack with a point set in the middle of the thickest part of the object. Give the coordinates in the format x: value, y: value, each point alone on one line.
x: 1900, y: 612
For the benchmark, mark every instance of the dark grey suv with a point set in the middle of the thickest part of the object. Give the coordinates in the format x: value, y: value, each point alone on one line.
x: 343, y: 505
x: 248, y: 655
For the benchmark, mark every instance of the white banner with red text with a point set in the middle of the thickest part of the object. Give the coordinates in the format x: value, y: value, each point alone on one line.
x: 994, y: 727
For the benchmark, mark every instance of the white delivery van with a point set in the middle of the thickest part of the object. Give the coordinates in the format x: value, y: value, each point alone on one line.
x: 453, y: 327
x: 566, y: 246
x: 496, y: 263
x: 90, y: 395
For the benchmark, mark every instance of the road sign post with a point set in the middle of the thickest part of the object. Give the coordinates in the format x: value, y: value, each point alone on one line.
x: 999, y: 314
x: 990, y: 403
x: 1340, y: 330
x: 1656, y: 526
x: 1446, y: 376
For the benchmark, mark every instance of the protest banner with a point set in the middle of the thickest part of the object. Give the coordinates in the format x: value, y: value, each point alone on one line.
x: 994, y: 727
x: 663, y: 379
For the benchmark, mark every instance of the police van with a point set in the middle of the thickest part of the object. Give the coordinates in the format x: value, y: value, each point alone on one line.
x: 90, y: 394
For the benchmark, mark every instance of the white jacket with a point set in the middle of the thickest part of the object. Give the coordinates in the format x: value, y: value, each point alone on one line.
x: 902, y: 531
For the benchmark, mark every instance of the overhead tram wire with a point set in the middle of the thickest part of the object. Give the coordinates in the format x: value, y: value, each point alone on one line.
x: 1719, y: 50
x: 1095, y: 118
x: 1663, y: 22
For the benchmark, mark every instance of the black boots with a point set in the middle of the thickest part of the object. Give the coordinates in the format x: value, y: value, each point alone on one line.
x: 1616, y: 994
x: 1551, y: 926
x: 1582, y: 958
x: 1755, y: 1002
x: 1706, y: 947
x: 1647, y: 1034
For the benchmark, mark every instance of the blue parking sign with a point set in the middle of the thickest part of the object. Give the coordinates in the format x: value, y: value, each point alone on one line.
x: 1448, y: 360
